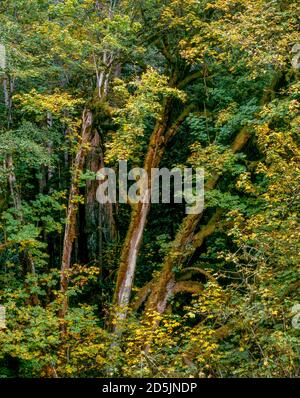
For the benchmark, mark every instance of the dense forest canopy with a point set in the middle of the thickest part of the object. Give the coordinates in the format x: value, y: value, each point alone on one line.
x: 96, y: 289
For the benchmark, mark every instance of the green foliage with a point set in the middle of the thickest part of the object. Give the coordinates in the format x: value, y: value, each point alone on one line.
x: 138, y: 66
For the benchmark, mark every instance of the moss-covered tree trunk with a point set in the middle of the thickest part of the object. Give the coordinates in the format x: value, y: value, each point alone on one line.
x: 138, y: 221
x: 185, y: 243
x: 100, y: 227
x: 72, y: 210
x: 161, y: 135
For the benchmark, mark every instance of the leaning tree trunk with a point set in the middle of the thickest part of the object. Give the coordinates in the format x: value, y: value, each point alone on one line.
x: 185, y: 243
x: 70, y: 227
x: 129, y: 258
x: 136, y: 228
x: 160, y: 137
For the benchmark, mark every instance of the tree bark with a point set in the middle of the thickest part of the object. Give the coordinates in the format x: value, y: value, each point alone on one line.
x: 100, y: 227
x: 72, y: 210
x: 159, y: 138
x: 137, y: 224
x: 8, y: 87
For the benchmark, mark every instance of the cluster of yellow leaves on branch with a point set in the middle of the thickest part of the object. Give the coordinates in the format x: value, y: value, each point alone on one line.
x: 135, y: 111
x: 214, y: 159
x: 240, y: 25
x: 177, y: 344
x: 61, y: 105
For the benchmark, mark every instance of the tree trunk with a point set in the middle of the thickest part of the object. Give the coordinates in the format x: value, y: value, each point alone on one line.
x: 185, y: 243
x: 100, y: 225
x: 15, y: 194
x: 159, y: 138
x: 8, y: 87
x: 138, y: 221
x: 70, y: 227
